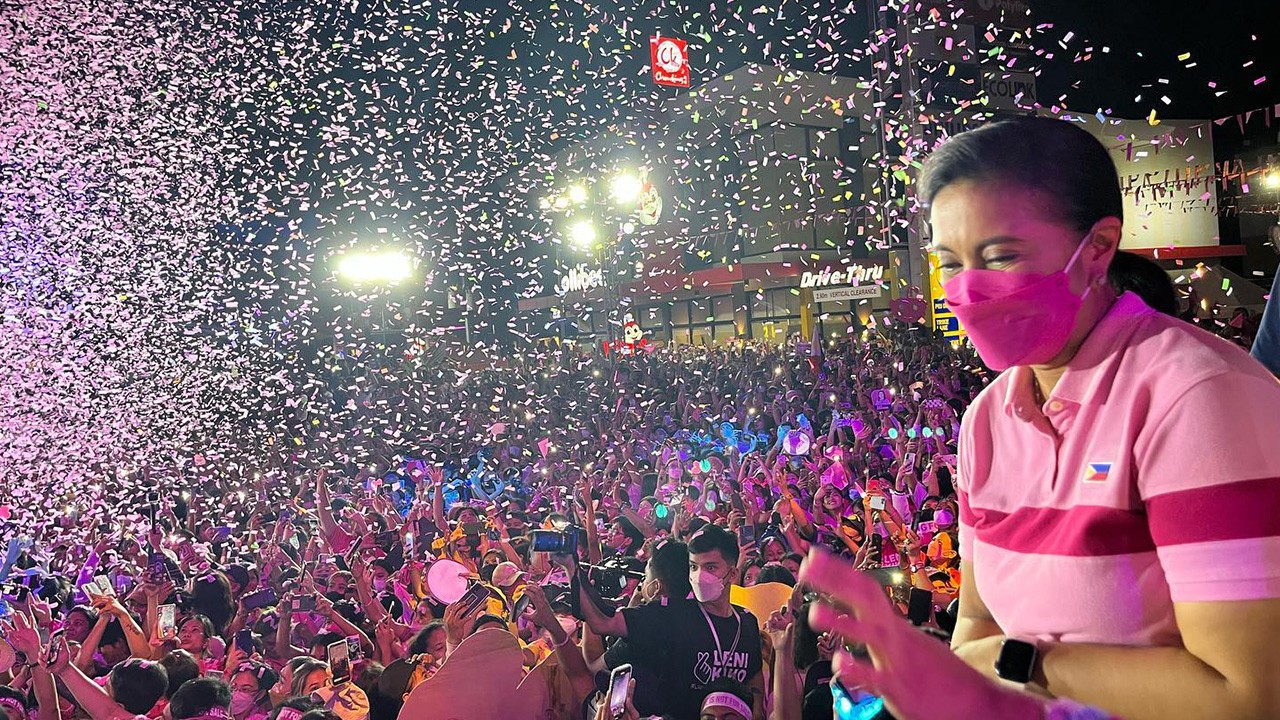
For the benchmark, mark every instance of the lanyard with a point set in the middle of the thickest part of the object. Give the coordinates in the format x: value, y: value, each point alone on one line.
x: 737, y: 634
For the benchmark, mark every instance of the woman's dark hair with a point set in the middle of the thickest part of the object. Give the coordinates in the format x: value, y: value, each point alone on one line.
x: 320, y: 714
x: 89, y: 613
x: 206, y: 625
x: 366, y: 674
x: 418, y: 646
x: 302, y: 671
x: 9, y: 693
x: 670, y: 565
x: 1129, y: 271
x: 1054, y: 158
x: 181, y: 667
x: 776, y: 573
x: 138, y: 684
x: 211, y: 597
x: 112, y: 633
x: 198, y: 697
x: 262, y: 673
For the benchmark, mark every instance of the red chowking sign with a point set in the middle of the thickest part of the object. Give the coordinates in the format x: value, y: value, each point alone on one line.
x: 669, y: 58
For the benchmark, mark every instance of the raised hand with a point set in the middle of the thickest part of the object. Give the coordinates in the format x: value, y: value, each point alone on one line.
x: 458, y: 624
x: 21, y: 633
x: 915, y: 674
x: 542, y: 613
x: 781, y: 629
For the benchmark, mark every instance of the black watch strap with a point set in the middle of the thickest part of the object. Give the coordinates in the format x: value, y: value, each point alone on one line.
x: 1017, y: 660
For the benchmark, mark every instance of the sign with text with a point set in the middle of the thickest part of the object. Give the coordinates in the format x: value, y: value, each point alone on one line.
x: 579, y: 279
x: 1009, y: 90
x: 943, y: 320
x: 669, y: 58
x: 853, y: 275
x: 851, y: 292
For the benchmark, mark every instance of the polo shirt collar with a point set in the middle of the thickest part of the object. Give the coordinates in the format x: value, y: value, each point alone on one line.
x: 1089, y: 375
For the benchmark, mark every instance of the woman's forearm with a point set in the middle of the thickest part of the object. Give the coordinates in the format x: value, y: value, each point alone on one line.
x: 1152, y: 683
x: 90, y: 696
x: 137, y: 639
x: 84, y: 660
x: 786, y: 696
x: 46, y: 695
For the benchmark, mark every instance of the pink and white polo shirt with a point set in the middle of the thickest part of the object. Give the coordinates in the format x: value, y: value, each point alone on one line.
x: 1150, y: 476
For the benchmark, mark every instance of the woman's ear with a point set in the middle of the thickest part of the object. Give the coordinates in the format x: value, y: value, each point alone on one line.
x: 1104, y: 240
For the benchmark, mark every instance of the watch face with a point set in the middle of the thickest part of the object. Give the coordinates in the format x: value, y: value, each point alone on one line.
x: 1017, y: 661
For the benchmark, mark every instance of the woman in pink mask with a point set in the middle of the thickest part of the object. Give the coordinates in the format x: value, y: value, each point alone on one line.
x: 1118, y: 482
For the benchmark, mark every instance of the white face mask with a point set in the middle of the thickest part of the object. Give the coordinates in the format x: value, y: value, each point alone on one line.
x: 649, y: 590
x: 379, y: 584
x: 706, y: 586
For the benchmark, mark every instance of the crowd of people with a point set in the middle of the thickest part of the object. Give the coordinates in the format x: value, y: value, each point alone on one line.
x: 237, y: 591
x: 726, y: 533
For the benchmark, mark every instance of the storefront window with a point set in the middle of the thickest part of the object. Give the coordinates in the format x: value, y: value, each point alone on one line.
x: 723, y: 308
x: 703, y: 335
x: 699, y: 311
x: 680, y: 313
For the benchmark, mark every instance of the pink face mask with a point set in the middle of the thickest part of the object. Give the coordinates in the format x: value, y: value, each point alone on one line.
x: 1016, y: 318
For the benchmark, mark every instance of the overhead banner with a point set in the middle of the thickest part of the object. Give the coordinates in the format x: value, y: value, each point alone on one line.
x: 669, y: 58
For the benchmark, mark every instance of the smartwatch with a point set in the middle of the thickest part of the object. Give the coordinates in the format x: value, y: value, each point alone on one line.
x: 1017, y: 660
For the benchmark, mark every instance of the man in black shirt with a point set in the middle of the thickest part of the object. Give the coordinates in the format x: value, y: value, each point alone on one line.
x: 691, y: 643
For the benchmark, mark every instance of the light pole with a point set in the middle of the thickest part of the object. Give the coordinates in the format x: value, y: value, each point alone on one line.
x: 376, y: 268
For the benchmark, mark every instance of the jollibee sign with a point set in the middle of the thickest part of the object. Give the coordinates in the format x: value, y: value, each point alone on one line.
x: 669, y: 58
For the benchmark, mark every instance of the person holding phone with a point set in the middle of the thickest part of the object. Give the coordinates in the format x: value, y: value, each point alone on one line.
x: 1118, y: 481
x: 689, y: 644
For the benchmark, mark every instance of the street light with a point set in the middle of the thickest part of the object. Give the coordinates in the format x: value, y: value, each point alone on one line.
x: 583, y: 234
x: 626, y: 188
x: 387, y: 267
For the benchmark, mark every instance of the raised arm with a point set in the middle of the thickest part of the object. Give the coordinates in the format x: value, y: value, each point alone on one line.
x: 328, y: 525
x: 89, y: 695
x: 24, y: 637
x: 570, y: 656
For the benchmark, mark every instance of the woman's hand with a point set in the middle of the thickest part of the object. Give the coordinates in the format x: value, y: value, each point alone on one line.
x: 109, y: 606
x: 735, y: 521
x: 457, y: 624
x: 915, y: 674
x: 628, y: 712
x: 22, y: 635
x: 324, y: 606
x: 542, y: 613
x: 781, y: 628
x: 60, y: 659
x: 40, y: 610
x: 235, y: 657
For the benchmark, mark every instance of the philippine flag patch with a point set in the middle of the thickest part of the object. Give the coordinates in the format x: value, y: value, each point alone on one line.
x: 1096, y: 472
